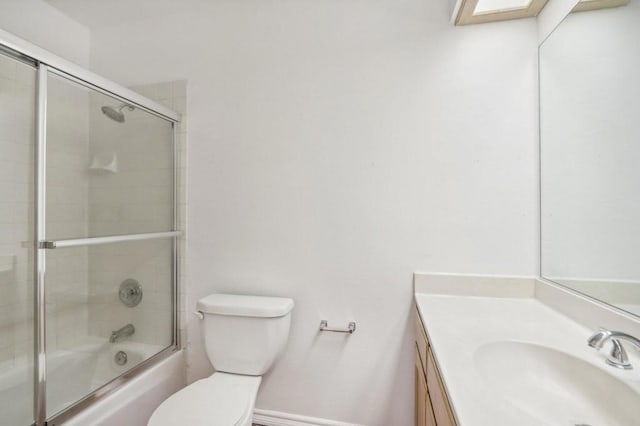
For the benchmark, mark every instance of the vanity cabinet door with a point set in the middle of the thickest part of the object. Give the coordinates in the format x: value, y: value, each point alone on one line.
x: 432, y: 405
x: 422, y: 401
x: 430, y: 419
x: 439, y: 400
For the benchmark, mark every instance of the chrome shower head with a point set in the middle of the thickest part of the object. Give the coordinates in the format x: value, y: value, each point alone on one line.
x: 115, y: 113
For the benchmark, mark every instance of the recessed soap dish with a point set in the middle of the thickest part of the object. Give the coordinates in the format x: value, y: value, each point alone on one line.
x: 105, y: 162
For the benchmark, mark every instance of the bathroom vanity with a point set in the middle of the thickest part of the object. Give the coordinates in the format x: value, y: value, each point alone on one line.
x: 494, y: 351
x: 505, y: 351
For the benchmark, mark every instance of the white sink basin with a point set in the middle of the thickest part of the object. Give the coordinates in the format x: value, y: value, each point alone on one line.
x: 556, y: 388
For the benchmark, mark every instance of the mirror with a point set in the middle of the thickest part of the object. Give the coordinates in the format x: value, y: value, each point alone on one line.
x: 590, y: 152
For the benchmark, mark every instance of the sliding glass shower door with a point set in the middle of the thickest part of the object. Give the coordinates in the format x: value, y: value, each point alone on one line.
x: 17, y: 207
x: 108, y: 240
x: 88, y: 280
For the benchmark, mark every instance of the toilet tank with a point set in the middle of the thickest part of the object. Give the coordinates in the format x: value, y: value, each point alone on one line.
x: 244, y: 334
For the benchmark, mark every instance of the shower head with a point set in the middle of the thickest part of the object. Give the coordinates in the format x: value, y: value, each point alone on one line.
x: 115, y: 113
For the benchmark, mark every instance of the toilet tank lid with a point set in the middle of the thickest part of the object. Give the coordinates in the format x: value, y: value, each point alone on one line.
x: 245, y: 306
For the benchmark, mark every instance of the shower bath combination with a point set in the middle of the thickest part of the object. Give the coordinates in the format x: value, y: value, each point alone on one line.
x: 115, y: 113
x: 58, y: 355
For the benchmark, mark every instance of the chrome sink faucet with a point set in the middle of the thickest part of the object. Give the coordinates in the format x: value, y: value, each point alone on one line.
x: 618, y: 357
x: 121, y: 333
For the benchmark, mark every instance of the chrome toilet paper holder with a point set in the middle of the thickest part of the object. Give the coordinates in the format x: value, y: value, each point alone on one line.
x: 351, y: 328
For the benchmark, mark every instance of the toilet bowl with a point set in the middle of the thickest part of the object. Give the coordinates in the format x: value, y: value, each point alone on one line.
x: 220, y: 400
x: 243, y: 337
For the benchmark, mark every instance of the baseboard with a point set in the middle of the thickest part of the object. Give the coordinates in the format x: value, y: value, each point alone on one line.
x: 278, y: 418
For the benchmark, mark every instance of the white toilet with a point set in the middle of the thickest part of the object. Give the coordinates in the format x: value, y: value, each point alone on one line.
x: 243, y: 336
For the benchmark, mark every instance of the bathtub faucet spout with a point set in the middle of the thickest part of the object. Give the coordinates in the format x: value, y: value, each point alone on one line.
x: 120, y: 334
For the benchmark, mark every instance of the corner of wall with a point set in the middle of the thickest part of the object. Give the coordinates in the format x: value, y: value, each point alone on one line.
x: 552, y: 14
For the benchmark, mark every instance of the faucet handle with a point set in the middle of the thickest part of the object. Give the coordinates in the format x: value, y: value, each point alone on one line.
x: 618, y: 357
x: 597, y: 339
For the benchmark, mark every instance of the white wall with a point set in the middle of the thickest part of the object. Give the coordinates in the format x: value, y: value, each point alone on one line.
x: 40, y: 23
x: 552, y: 15
x: 590, y: 106
x: 335, y: 148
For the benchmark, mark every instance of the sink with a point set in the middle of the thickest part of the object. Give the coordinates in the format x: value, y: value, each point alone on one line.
x: 554, y: 387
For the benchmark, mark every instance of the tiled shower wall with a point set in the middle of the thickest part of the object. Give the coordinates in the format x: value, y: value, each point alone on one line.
x: 17, y: 94
x: 66, y: 288
x: 136, y: 199
x: 67, y: 207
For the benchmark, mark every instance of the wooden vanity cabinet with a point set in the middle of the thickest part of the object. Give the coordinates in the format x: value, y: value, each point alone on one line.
x: 432, y: 403
x: 423, y: 406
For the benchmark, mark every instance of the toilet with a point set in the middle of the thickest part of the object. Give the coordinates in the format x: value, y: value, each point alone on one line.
x: 243, y: 336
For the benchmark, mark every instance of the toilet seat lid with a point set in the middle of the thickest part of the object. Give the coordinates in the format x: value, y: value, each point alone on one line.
x: 218, y: 400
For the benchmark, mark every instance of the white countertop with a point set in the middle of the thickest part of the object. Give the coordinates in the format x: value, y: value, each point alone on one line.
x: 458, y: 325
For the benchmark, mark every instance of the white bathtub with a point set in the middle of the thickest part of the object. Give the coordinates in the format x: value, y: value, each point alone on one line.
x: 74, y: 373
x: 70, y: 373
x: 133, y: 403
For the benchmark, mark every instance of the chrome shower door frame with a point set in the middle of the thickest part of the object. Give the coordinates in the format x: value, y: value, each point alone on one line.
x: 40, y: 321
x: 49, y: 64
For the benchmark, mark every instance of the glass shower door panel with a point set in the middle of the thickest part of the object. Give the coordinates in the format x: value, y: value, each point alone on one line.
x: 109, y: 165
x: 17, y: 206
x: 109, y: 172
x: 93, y: 334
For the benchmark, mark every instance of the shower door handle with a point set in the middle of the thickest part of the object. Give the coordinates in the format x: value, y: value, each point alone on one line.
x: 51, y: 244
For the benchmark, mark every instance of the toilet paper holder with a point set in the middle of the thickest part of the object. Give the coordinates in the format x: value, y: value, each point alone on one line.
x: 351, y: 328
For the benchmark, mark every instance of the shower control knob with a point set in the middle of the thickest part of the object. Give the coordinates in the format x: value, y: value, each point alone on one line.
x: 130, y: 292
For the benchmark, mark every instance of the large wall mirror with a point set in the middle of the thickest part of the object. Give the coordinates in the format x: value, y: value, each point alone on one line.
x: 590, y: 152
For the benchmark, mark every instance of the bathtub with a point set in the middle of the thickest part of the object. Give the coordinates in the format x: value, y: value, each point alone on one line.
x: 133, y: 403
x: 74, y: 373
x: 16, y: 384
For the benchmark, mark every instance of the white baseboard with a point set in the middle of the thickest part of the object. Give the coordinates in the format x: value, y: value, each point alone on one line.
x: 278, y: 418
